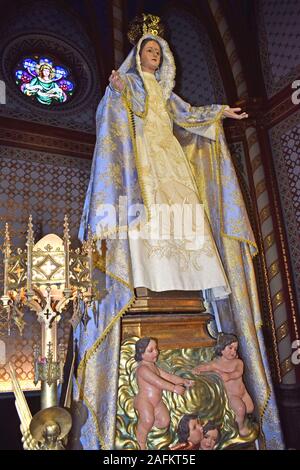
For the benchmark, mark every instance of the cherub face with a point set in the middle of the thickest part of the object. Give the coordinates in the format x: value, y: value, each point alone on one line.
x: 195, y: 431
x: 230, y: 351
x: 150, y: 57
x: 151, y: 352
x: 51, y: 432
x: 209, y: 440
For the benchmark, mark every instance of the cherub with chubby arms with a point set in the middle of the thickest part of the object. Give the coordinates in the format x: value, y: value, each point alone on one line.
x: 152, y: 381
x: 230, y: 368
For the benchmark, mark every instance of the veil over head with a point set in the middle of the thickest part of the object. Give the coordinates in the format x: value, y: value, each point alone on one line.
x: 165, y: 75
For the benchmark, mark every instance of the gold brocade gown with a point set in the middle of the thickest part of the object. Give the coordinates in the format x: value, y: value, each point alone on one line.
x: 173, y: 259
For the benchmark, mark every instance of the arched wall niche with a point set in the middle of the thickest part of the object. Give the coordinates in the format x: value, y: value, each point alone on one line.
x: 30, y: 28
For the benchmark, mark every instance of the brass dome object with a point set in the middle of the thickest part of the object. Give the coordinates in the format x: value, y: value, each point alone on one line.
x: 48, y: 417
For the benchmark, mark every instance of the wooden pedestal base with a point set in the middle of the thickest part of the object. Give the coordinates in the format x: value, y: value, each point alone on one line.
x: 173, y: 331
x: 175, y: 318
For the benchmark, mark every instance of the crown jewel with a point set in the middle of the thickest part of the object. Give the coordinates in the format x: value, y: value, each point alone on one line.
x: 144, y: 24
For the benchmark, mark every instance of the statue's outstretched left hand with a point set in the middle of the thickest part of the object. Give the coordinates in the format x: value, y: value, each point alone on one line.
x: 234, y: 113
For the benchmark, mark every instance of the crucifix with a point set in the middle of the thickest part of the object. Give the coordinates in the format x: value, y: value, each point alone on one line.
x: 47, y: 313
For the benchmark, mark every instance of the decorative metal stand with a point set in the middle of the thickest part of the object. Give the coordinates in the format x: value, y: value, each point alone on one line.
x: 44, y: 278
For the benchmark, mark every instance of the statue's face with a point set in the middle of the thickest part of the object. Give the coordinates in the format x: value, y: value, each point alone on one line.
x: 230, y: 351
x: 150, y: 57
x: 151, y: 352
x: 209, y: 440
x: 195, y: 431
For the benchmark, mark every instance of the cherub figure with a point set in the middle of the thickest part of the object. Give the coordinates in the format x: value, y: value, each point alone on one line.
x: 192, y: 435
x: 230, y: 368
x: 151, y: 382
x: 51, y: 435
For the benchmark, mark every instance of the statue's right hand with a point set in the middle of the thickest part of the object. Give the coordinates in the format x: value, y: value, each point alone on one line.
x: 179, y: 389
x: 116, y: 81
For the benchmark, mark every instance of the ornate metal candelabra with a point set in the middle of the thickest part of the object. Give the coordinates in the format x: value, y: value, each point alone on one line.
x: 44, y: 278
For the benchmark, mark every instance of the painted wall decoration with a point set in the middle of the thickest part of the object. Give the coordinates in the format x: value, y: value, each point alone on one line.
x: 278, y: 32
x: 285, y: 140
x: 197, y: 75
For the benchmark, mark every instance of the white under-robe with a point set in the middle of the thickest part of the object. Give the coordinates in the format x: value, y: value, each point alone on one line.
x: 188, y: 263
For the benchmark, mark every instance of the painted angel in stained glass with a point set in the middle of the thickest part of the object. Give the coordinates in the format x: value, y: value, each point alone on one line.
x: 44, y: 81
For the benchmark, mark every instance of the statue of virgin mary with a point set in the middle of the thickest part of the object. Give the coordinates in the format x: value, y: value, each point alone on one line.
x: 155, y: 150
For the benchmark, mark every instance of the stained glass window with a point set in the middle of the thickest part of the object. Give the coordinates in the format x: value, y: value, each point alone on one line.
x: 41, y: 79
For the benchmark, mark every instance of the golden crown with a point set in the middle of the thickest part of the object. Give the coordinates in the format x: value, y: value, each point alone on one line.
x: 144, y: 24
